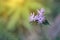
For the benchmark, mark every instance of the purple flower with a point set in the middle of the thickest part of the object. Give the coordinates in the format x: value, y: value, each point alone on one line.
x: 39, y: 17
x: 31, y: 18
x: 41, y: 12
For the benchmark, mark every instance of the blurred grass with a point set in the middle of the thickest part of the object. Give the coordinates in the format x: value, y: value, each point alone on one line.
x: 17, y: 13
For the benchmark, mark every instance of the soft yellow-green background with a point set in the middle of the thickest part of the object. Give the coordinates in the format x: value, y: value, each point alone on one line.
x: 15, y: 13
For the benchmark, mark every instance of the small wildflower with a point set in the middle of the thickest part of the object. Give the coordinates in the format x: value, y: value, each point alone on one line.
x: 41, y: 11
x: 40, y: 18
x: 31, y: 17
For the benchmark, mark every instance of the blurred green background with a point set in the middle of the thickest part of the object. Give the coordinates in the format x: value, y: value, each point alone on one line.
x: 14, y: 14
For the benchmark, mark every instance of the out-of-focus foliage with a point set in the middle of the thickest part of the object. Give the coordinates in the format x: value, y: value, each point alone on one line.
x: 15, y: 13
x: 13, y: 9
